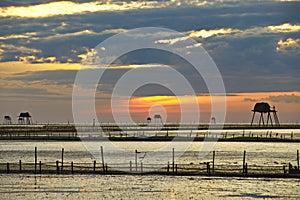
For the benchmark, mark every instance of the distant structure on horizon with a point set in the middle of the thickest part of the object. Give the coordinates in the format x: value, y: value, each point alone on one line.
x: 264, y: 108
x: 149, y: 120
x: 7, y: 120
x: 213, y: 120
x: 24, y: 118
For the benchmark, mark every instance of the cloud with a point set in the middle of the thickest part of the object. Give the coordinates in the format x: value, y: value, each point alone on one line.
x: 234, y: 33
x: 210, y: 33
x: 242, y: 38
x: 285, y: 28
x: 4, y: 48
x: 25, y: 91
x: 289, y: 45
x: 35, y: 59
x: 285, y: 98
x: 250, y: 100
x: 57, y: 77
x: 18, y: 36
x: 70, y: 8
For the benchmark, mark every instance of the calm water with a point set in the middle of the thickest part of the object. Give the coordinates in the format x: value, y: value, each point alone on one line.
x: 16, y: 186
x: 145, y: 187
x: 226, y: 152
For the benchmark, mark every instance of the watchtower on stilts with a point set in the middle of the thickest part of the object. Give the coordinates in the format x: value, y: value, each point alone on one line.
x: 24, y: 118
x: 264, y: 108
x: 158, y: 119
x: 7, y: 120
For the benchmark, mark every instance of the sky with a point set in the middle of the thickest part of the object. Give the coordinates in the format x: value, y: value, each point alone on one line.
x: 255, y: 45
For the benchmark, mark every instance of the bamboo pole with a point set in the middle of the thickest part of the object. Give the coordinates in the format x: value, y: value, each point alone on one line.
x: 136, y: 164
x: 244, y: 162
x: 62, y: 158
x: 102, y: 158
x: 298, y: 159
x: 35, y: 159
x: 20, y: 165
x: 208, y: 168
x: 57, y: 167
x: 173, y: 161
x: 213, y: 164
x: 7, y: 167
x: 130, y: 166
x: 72, y: 167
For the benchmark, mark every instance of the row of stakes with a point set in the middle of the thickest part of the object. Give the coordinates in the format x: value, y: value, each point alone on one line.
x: 105, y: 166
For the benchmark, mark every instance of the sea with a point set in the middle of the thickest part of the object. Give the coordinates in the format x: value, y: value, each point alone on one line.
x: 136, y: 186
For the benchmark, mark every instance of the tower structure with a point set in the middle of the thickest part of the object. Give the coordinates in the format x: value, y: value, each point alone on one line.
x: 149, y: 120
x: 158, y: 119
x: 7, y: 120
x: 24, y: 118
x: 264, y: 109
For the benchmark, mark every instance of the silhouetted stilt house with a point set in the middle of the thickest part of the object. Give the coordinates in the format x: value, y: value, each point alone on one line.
x: 24, y: 118
x: 213, y: 120
x: 158, y: 119
x: 7, y: 120
x: 264, y: 108
x: 149, y: 120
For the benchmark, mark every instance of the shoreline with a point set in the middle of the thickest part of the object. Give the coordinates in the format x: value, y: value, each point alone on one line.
x: 150, y: 132
x: 150, y: 139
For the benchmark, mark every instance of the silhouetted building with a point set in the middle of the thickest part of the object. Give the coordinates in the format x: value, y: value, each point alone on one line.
x: 264, y: 108
x: 213, y: 120
x: 149, y: 120
x: 24, y: 118
x: 158, y: 119
x: 7, y: 120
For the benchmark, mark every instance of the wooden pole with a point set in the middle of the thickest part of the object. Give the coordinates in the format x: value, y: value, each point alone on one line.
x: 62, y: 158
x: 57, y: 167
x: 102, y: 158
x: 94, y: 165
x: 208, y: 168
x: 173, y: 161
x: 136, y: 164
x: 20, y: 165
x: 72, y: 167
x: 213, y: 164
x: 298, y: 159
x: 244, y: 161
x: 35, y: 159
x: 130, y: 166
x: 7, y: 167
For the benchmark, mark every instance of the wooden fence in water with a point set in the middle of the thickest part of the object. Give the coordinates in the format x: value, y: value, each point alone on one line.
x: 170, y: 168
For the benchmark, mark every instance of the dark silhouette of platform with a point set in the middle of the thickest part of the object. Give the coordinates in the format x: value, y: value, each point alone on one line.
x: 264, y: 108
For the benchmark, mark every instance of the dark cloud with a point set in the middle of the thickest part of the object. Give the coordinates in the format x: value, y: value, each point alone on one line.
x: 247, y: 62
